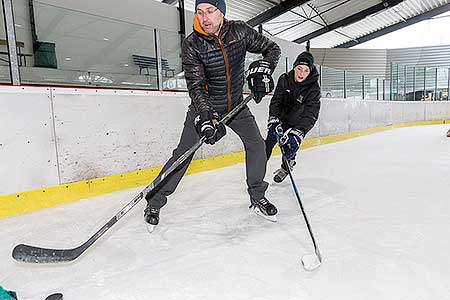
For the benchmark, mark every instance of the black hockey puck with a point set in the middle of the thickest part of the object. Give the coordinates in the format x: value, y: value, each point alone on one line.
x: 56, y: 296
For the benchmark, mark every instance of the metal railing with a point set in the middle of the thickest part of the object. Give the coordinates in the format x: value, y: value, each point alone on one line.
x: 411, y: 83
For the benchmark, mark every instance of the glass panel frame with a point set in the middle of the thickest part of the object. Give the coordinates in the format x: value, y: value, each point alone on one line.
x: 172, y: 73
x: 430, y: 84
x: 353, y: 85
x: 442, y: 84
x: 5, y: 67
x: 419, y: 84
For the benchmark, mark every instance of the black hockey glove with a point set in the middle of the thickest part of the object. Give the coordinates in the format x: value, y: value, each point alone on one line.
x: 259, y: 78
x: 272, y: 125
x: 290, y: 141
x: 207, y: 124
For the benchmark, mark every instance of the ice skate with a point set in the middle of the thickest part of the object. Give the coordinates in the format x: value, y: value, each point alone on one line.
x: 151, y: 217
x: 264, y: 209
x: 281, y: 173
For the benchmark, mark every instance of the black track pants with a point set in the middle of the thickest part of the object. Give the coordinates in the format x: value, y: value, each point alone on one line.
x: 244, y: 125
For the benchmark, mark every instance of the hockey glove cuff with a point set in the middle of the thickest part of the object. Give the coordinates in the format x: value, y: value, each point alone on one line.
x: 259, y: 78
x: 291, y: 141
x: 207, y: 124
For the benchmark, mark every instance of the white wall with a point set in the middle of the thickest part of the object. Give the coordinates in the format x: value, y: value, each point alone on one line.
x: 376, y: 62
x: 27, y: 140
x: 370, y: 62
x: 288, y: 49
x: 432, y: 56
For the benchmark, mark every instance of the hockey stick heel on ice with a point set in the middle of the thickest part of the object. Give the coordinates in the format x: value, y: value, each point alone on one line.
x: 32, y: 254
x: 311, y: 261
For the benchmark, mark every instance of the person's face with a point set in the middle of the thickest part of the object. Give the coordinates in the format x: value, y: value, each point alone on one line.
x: 301, y: 72
x: 209, y: 17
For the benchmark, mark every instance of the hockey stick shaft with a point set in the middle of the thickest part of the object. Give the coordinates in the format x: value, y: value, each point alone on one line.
x: 32, y: 254
x: 297, y: 195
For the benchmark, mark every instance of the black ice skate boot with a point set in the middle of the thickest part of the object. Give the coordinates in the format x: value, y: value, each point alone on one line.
x: 264, y: 208
x: 282, y: 172
x: 151, y: 216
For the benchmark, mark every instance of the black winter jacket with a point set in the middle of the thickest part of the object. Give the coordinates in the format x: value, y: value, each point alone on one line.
x: 297, y: 104
x: 214, y: 65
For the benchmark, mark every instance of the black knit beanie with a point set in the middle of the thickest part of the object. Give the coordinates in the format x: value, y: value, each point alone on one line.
x: 305, y: 58
x: 220, y: 4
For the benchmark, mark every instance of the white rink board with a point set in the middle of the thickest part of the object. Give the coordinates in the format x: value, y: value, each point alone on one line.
x: 380, y: 113
x: 414, y: 112
x: 397, y: 112
x: 106, y: 132
x: 101, y: 133
x: 408, y: 111
x: 359, y: 115
x: 437, y: 110
x: 334, y: 117
x: 27, y: 146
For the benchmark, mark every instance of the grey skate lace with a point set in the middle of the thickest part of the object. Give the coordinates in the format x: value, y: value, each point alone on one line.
x: 280, y: 171
x: 153, y: 210
x: 263, y: 201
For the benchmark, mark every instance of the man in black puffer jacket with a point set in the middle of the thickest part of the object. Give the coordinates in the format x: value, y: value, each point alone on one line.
x: 294, y: 110
x: 213, y: 58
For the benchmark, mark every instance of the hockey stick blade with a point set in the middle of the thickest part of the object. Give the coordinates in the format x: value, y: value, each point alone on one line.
x: 311, y: 261
x: 33, y: 254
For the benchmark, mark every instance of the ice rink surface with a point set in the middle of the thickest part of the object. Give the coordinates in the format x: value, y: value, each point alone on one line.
x: 379, y: 207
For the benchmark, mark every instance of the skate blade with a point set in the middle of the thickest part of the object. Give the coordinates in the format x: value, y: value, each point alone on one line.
x: 259, y: 213
x: 150, y: 228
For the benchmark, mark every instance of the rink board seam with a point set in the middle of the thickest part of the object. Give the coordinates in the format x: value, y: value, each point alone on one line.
x: 18, y: 203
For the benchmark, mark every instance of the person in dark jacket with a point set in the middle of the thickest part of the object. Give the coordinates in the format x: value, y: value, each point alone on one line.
x: 213, y: 58
x: 294, y: 110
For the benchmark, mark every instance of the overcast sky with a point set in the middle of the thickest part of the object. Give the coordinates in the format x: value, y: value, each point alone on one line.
x: 432, y: 32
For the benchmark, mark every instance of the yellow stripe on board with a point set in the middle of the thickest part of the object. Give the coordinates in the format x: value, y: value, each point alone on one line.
x: 19, y: 203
